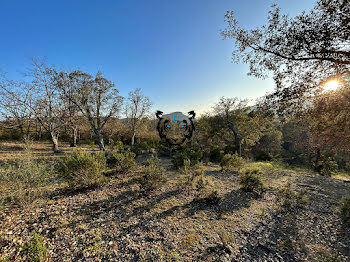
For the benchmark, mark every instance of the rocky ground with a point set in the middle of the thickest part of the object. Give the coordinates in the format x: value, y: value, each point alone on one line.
x: 118, y: 222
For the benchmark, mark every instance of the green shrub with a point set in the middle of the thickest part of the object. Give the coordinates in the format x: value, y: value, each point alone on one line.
x: 231, y: 162
x: 347, y: 167
x: 140, y: 148
x: 152, y: 176
x: 194, y: 155
x: 215, y: 154
x: 250, y: 181
x: 190, y: 175
x: 118, y: 146
x: 24, y: 181
x: 122, y: 162
x: 328, y: 167
x: 212, y: 198
x: 290, y: 200
x: 82, y: 169
x: 34, y: 250
x: 164, y: 149
x: 344, y: 209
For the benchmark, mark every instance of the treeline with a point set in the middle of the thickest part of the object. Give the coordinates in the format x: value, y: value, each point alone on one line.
x: 69, y: 103
x: 77, y: 107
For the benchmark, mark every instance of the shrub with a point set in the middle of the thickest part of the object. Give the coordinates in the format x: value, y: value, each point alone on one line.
x: 122, y: 162
x: 347, y: 167
x: 191, y: 175
x: 231, y: 162
x: 163, y: 149
x: 213, y: 198
x: 215, y: 154
x: 34, y: 249
x: 140, y: 148
x: 82, y: 169
x: 250, y: 181
x: 23, y: 182
x: 118, y: 146
x: 328, y: 167
x: 344, y: 209
x: 152, y: 176
x: 194, y: 155
x: 290, y: 200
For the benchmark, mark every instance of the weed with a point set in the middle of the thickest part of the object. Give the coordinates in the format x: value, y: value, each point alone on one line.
x: 34, y: 249
x: 290, y: 200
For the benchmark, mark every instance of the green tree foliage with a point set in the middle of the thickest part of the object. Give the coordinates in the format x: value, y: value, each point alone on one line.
x: 301, y: 52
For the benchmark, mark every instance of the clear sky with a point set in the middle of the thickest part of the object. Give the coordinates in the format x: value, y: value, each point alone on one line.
x: 172, y: 50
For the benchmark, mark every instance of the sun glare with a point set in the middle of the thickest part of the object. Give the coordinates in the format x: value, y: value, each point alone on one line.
x: 331, y: 85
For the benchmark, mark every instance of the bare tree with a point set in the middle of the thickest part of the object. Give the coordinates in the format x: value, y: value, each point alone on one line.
x: 46, y: 104
x: 15, y: 114
x: 95, y: 97
x: 136, y: 108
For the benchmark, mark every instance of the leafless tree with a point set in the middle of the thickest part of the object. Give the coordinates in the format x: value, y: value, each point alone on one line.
x: 15, y: 114
x: 46, y: 106
x: 95, y: 97
x: 136, y: 108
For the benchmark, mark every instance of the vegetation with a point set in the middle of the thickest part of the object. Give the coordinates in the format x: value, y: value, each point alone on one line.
x: 23, y: 183
x: 122, y: 162
x: 231, y: 162
x: 152, y: 176
x: 250, y: 180
x: 289, y: 199
x: 35, y: 250
x: 169, y: 203
x: 82, y: 169
x: 344, y: 209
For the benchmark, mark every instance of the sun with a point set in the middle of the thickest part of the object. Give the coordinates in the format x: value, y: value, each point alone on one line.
x: 331, y: 85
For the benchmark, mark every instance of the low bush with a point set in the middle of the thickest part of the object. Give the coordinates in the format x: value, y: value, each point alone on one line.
x: 194, y: 155
x: 344, y: 209
x: 122, y: 162
x: 347, y: 167
x: 82, y: 169
x: 164, y: 149
x: 251, y: 181
x: 328, y: 167
x: 152, y: 176
x: 140, y: 148
x: 24, y: 181
x: 231, y: 162
x: 212, y: 198
x: 215, y: 154
x: 34, y: 250
x: 118, y: 146
x: 290, y: 200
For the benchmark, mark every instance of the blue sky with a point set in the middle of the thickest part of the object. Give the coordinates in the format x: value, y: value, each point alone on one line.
x: 172, y: 50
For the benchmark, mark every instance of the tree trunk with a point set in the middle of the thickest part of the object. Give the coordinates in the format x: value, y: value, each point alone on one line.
x: 133, y: 138
x: 73, y: 142
x: 54, y: 140
x: 238, y: 138
x: 318, y: 157
x: 238, y: 144
x: 100, y: 140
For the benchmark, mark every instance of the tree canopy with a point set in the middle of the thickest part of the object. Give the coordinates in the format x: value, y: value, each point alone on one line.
x: 301, y: 53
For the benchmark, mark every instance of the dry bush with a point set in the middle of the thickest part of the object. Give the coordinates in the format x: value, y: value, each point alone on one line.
x: 82, y: 169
